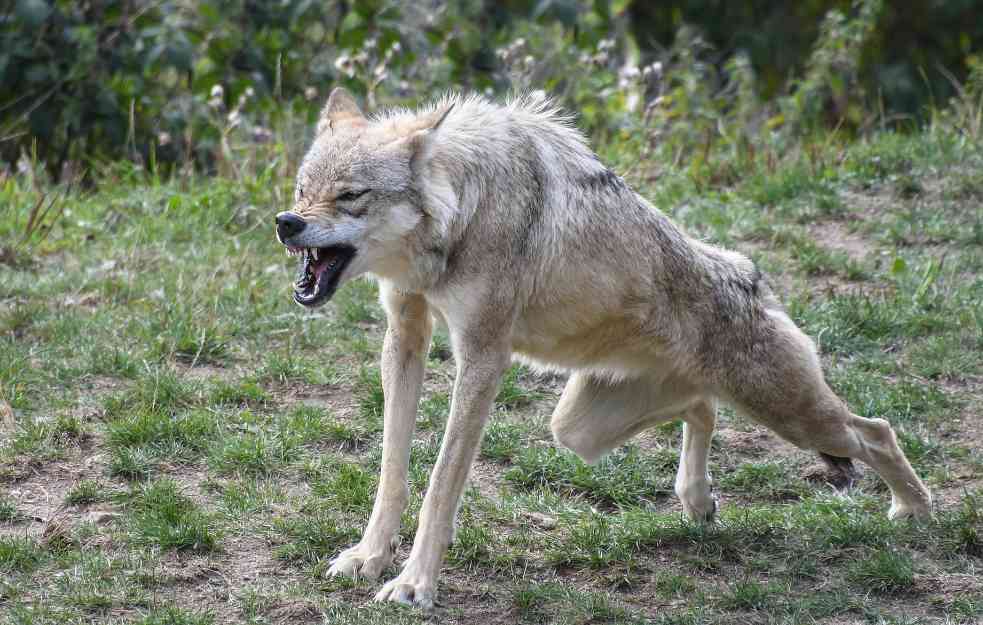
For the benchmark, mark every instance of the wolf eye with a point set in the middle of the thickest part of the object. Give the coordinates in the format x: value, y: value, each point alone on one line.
x: 351, y: 196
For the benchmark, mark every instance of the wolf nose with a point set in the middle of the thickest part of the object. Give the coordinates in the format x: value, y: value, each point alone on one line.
x: 288, y: 224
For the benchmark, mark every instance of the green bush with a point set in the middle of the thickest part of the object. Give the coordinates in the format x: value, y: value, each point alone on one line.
x: 168, y: 84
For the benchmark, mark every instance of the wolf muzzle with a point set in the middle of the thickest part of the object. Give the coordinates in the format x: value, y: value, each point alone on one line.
x: 288, y: 225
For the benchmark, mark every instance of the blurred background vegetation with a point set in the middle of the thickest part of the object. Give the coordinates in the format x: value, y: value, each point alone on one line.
x: 221, y: 85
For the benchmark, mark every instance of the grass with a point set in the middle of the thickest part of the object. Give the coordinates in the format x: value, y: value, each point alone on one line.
x: 86, y: 492
x: 627, y: 477
x: 766, y: 480
x: 314, y: 536
x: 19, y: 555
x: 884, y: 571
x: 167, y: 379
x: 8, y: 510
x: 173, y: 615
x: 165, y: 517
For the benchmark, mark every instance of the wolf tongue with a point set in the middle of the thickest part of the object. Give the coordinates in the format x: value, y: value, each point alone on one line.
x: 322, y: 262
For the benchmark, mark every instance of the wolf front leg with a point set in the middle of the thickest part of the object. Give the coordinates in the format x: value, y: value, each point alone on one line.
x: 403, y: 358
x: 479, y: 371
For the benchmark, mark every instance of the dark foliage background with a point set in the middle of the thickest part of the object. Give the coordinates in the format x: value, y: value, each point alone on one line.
x: 168, y: 82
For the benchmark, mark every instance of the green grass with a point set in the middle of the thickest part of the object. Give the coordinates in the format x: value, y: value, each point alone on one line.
x: 546, y: 602
x: 86, y: 492
x: 749, y: 595
x: 624, y: 478
x: 347, y: 487
x: 187, y: 433
x: 166, y: 378
x: 311, y: 536
x: 165, y: 517
x: 765, y: 481
x: 173, y: 615
x: 503, y: 440
x: 19, y: 555
x: 8, y: 510
x: 370, y: 397
x: 883, y: 571
x: 250, y: 494
x: 252, y: 453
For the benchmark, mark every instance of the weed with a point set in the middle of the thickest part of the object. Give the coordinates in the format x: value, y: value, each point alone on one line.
x: 563, y: 603
x: 440, y: 347
x: 288, y: 366
x: 357, y: 303
x: 157, y: 390
x: 195, y: 344
x: 671, y: 585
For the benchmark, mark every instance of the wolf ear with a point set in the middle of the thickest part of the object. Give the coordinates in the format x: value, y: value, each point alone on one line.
x: 341, y: 106
x: 419, y: 137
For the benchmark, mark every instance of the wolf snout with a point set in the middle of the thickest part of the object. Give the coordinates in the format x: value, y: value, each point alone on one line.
x: 289, y: 224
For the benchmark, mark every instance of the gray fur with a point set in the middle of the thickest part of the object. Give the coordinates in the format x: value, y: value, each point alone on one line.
x: 499, y: 221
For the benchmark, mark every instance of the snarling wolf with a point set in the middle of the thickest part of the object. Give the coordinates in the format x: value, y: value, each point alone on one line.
x: 500, y: 222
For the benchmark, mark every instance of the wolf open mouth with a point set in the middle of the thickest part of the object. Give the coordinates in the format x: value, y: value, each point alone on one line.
x: 319, y: 272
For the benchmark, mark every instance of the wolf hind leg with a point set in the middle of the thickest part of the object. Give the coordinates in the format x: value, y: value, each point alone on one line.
x: 693, y: 486
x: 595, y: 414
x: 784, y: 389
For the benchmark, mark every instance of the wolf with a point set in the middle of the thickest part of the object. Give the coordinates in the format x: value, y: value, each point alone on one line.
x: 498, y: 221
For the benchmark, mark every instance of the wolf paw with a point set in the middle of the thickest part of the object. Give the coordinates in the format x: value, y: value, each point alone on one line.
x: 703, y: 511
x: 699, y: 502
x: 409, y: 589
x: 917, y: 510
x: 361, y: 561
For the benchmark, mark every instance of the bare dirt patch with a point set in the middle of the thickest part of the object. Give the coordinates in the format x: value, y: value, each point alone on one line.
x: 40, y: 496
x: 835, y: 235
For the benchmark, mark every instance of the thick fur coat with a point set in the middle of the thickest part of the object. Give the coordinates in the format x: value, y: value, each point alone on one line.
x: 501, y: 222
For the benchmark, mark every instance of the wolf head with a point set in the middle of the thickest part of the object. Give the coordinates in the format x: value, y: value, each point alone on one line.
x: 355, y: 199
